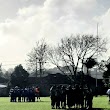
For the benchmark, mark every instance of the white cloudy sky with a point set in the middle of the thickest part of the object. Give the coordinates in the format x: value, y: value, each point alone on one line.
x: 23, y: 22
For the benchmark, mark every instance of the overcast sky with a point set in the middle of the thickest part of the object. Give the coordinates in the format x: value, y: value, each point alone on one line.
x: 23, y: 22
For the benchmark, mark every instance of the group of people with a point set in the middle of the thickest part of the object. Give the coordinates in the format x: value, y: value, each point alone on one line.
x: 77, y: 97
x: 27, y: 94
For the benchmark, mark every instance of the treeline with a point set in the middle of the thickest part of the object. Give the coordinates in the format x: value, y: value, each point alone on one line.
x: 70, y: 54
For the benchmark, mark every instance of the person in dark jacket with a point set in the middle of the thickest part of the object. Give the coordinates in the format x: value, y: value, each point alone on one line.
x: 70, y: 94
x: 63, y: 97
x: 89, y: 98
x: 58, y: 97
x: 19, y: 94
x: 77, y: 95
x: 53, y: 96
x: 11, y: 94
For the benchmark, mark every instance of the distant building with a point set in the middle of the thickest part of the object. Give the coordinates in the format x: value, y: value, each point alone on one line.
x: 3, y: 87
x: 55, y: 79
x: 3, y: 90
x: 95, y: 73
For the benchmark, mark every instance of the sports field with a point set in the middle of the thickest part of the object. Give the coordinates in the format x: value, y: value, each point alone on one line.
x: 100, y: 102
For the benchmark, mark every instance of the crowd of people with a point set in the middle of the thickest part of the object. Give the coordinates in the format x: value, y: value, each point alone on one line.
x: 77, y: 97
x: 28, y: 94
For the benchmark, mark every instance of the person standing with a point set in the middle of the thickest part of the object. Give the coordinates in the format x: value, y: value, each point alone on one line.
x: 89, y: 98
x: 37, y: 90
x: 70, y: 96
x: 108, y: 93
x: 58, y: 96
x: 53, y: 96
x: 63, y: 97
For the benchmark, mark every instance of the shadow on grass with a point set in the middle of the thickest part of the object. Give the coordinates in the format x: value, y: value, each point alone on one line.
x: 84, y: 109
x: 87, y: 109
x: 42, y: 101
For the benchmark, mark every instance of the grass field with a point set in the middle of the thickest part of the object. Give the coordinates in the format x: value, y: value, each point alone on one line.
x: 5, y: 104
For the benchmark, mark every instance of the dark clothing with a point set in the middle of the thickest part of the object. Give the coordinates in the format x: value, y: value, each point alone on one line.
x: 63, y: 98
x: 89, y: 98
x: 77, y: 94
x: 53, y: 96
x: 70, y: 97
x: 58, y: 97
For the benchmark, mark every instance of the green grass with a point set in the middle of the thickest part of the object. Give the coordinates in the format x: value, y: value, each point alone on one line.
x: 5, y: 104
x: 101, y: 102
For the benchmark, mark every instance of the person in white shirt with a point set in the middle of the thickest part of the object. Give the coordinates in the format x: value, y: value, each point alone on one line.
x: 108, y: 93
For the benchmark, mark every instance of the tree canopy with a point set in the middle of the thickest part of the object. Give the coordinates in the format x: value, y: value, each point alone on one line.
x: 90, y: 63
x: 72, y: 52
x: 37, y: 57
x: 19, y: 77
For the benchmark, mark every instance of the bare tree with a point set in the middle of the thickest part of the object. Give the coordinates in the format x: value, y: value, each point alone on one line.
x: 1, y: 71
x: 7, y: 74
x: 104, y: 66
x: 38, y: 56
x: 72, y: 51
